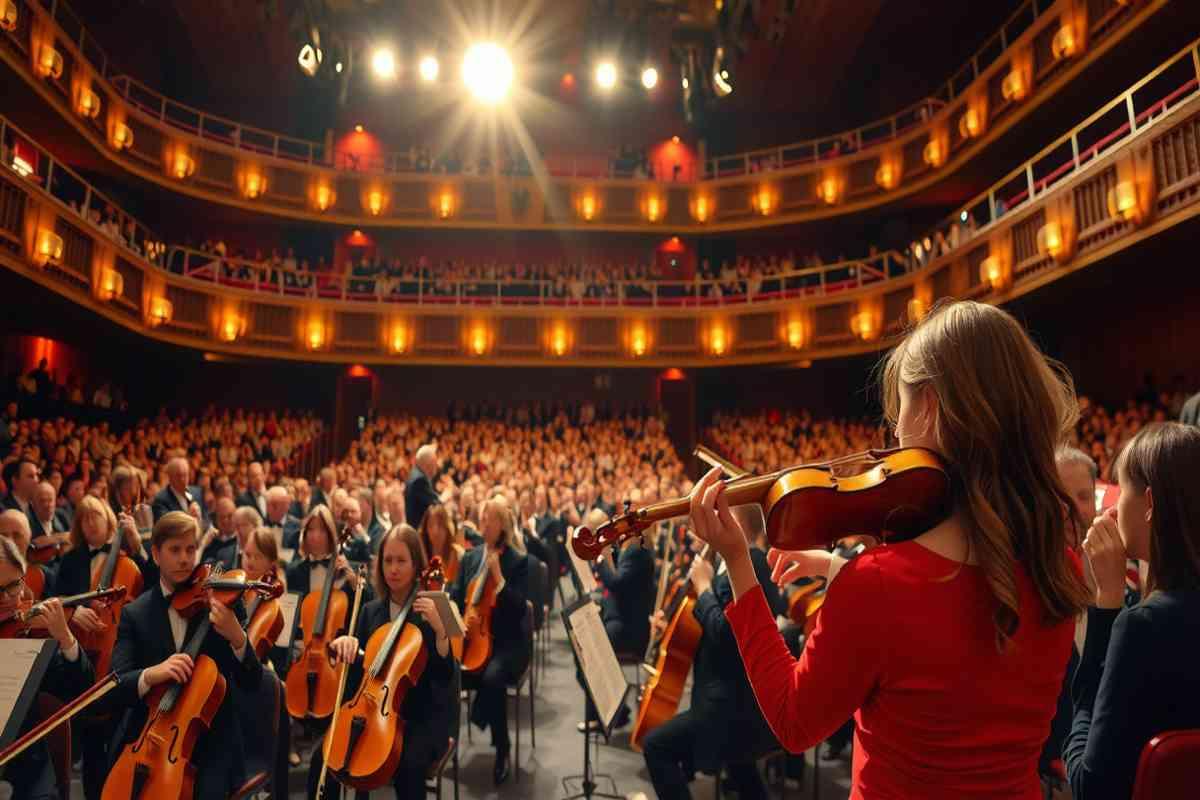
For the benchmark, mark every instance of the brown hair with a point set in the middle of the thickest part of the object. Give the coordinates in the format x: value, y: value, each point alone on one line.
x: 452, y: 536
x: 90, y: 504
x: 408, y: 535
x: 1165, y: 458
x: 174, y: 525
x: 1002, y: 408
x: 321, y: 513
x: 264, y: 540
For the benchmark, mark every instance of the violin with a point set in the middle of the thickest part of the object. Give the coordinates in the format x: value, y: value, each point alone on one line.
x: 893, y: 495
x: 27, y: 621
x: 35, y: 581
x: 434, y: 578
x: 118, y: 570
x: 158, y: 762
x: 264, y: 616
x: 312, y: 681
x: 363, y: 747
x: 44, y: 549
x: 481, y: 602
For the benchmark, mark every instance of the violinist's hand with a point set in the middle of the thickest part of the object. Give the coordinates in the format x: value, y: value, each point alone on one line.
x: 177, y: 668
x: 1106, y: 552
x: 426, y: 608
x: 87, y: 620
x: 128, y: 528
x: 789, y: 565
x: 658, y: 623
x: 711, y: 519
x: 56, y: 622
x: 701, y: 575
x: 344, y: 568
x: 344, y: 649
x: 226, y: 623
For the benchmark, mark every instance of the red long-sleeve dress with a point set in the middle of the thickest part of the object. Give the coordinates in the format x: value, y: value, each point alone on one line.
x: 905, y: 642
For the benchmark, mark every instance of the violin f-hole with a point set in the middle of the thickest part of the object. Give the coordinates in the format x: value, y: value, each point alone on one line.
x: 172, y: 757
x: 384, y: 707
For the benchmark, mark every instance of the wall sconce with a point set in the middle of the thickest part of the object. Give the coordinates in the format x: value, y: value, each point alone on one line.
x: 638, y: 339
x: 654, y: 206
x: 991, y: 272
x: 110, y: 284
x: 49, y: 247
x: 559, y: 339
x: 8, y: 15
x: 316, y: 335
x: 795, y: 333
x: 161, y: 311
x: 917, y: 309
x: 180, y: 164
x: 398, y: 338
x: 49, y: 62
x: 87, y: 103
x: 1064, y: 44
x: 702, y: 206
x: 587, y: 205
x: 764, y: 200
x: 829, y: 189
x: 970, y: 124
x: 252, y: 182
x: 322, y: 196
x: 479, y: 338
x: 1015, y: 87
x: 718, y: 339
x: 1123, y: 202
x: 231, y: 326
x: 864, y: 326
x: 1052, y: 241
x: 446, y: 204
x: 120, y: 136
x: 375, y: 201
x: 888, y: 174
x: 935, y: 152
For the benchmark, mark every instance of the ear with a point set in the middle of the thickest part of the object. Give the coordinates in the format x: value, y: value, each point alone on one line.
x: 1149, y: 504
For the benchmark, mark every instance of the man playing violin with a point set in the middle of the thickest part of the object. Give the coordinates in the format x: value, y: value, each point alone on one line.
x: 149, y: 639
x: 31, y: 774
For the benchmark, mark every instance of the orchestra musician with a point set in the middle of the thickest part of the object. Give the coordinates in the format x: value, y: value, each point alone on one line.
x: 508, y: 568
x: 176, y: 495
x: 46, y: 525
x: 14, y: 526
x: 439, y: 537
x: 723, y: 726
x: 32, y: 774
x: 926, y: 640
x: 226, y: 550
x: 428, y: 706
x: 221, y: 538
x: 149, y: 639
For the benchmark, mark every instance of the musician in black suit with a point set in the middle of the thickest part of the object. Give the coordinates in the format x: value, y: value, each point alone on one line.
x: 176, y: 495
x: 419, y: 493
x: 510, y: 571
x: 150, y: 639
x: 226, y: 550
x: 44, y: 525
x: 724, y: 725
x: 279, y: 516
x: 428, y: 706
x: 69, y: 674
x: 318, y: 551
x: 255, y: 495
x: 322, y: 495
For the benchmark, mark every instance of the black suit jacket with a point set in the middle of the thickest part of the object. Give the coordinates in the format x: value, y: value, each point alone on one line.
x: 143, y: 640
x: 64, y: 516
x: 509, y: 615
x: 10, y: 502
x: 418, y: 497
x: 222, y: 552
x: 630, y: 596
x: 165, y: 501
x: 248, y: 499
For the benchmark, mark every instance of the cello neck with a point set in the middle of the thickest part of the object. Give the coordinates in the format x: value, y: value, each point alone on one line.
x: 326, y: 589
x: 110, y: 561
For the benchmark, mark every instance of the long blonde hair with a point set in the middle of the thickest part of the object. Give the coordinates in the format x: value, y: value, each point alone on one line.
x: 90, y: 504
x: 508, y: 522
x: 1003, y: 408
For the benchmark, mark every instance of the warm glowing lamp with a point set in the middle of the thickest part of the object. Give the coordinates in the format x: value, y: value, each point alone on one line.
x: 315, y: 335
x: 991, y: 272
x: 479, y: 339
x: 887, y: 176
x: 182, y: 165
x: 653, y: 207
x: 49, y: 62
x: 718, y: 339
x: 161, y: 311
x: 121, y: 136
x: 87, y: 103
x: 970, y: 124
x: 863, y: 326
x: 231, y: 327
x: 639, y: 341
x: 559, y: 340
x: 764, y: 200
x: 588, y: 205
x: 252, y: 182
x: 1014, y: 87
x: 1123, y: 202
x: 110, y: 285
x: 8, y: 15
x: 48, y: 247
x: 934, y: 152
x: 398, y: 340
x: 702, y: 206
x: 917, y: 309
x: 1064, y: 44
x: 1051, y: 241
x: 795, y: 333
x: 375, y: 201
x: 322, y: 196
x: 829, y: 189
x: 446, y: 204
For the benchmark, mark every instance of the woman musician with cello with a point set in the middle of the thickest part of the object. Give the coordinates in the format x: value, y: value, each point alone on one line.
x: 440, y: 538
x: 491, y: 591
x: 426, y: 710
x: 70, y: 673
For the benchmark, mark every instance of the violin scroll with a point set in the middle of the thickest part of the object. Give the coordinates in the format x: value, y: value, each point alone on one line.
x: 589, y: 544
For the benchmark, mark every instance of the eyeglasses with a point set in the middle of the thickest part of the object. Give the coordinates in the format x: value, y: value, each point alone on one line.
x: 13, y: 589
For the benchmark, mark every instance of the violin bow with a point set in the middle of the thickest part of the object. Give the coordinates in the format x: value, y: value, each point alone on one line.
x: 713, y: 460
x: 64, y: 714
x: 343, y: 673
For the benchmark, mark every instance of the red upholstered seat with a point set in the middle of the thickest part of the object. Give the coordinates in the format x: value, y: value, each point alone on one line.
x: 1169, y: 768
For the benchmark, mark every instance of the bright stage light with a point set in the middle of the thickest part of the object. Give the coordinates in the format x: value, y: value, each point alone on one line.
x: 606, y: 75
x: 428, y: 69
x: 649, y: 77
x: 309, y: 60
x: 487, y: 72
x: 383, y: 63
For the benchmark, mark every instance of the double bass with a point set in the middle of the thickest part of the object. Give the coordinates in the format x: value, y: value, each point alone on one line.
x: 158, y: 764
x: 118, y: 570
x: 481, y: 602
x: 312, y: 681
x: 364, y: 745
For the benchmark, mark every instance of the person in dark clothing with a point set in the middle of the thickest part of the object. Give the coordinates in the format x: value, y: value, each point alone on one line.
x: 724, y: 725
x: 419, y: 493
x: 1137, y: 677
x: 428, y: 706
x: 510, y: 570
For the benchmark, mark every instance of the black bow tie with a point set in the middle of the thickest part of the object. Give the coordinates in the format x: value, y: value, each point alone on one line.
x: 320, y: 562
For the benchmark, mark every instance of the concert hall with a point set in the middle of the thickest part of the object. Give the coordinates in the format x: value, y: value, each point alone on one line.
x: 581, y: 399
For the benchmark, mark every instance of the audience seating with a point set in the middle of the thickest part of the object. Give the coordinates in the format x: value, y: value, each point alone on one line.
x: 1169, y: 768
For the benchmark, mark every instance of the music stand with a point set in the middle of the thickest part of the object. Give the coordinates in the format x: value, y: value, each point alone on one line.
x: 593, y: 653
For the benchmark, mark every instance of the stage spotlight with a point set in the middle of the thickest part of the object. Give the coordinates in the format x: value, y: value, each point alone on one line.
x: 649, y: 78
x: 428, y: 69
x: 606, y: 75
x: 337, y: 67
x: 487, y: 72
x: 383, y: 63
x: 309, y: 60
x: 684, y: 83
x: 722, y: 82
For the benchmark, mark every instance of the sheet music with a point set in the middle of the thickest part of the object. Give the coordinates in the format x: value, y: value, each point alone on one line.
x: 17, y: 657
x: 597, y: 660
x: 451, y: 620
x: 583, y: 571
x: 288, y: 603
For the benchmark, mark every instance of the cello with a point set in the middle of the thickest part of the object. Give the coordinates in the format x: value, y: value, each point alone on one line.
x: 312, y: 681
x: 118, y: 570
x: 364, y: 745
x: 158, y: 763
x: 481, y: 602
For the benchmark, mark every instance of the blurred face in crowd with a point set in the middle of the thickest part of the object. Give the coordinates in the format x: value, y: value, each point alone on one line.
x: 303, y: 492
x: 277, y: 505
x: 327, y: 480
x: 318, y: 542
x: 43, y: 501
x: 257, y: 480
x: 224, y: 516
x: 176, y: 558
x: 253, y: 560
x: 177, y: 474
x: 1077, y: 479
x: 25, y: 480
x: 395, y: 506
x: 398, y: 570
x: 95, y: 528
x: 15, y: 525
